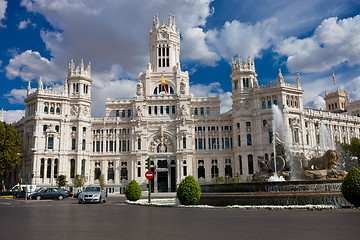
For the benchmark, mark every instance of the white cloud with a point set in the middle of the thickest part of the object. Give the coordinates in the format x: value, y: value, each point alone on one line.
x: 3, y: 6
x: 319, y: 103
x: 211, y: 90
x: 333, y: 42
x: 112, y: 32
x: 24, y: 24
x: 16, y: 96
x: 195, y: 47
x: 108, y: 84
x: 11, y: 116
x: 30, y: 65
x: 242, y: 38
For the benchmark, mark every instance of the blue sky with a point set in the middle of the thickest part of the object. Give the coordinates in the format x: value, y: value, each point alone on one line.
x: 312, y: 37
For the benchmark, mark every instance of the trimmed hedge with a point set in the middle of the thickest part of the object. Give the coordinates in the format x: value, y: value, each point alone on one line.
x: 350, y: 188
x: 188, y: 191
x: 133, y: 191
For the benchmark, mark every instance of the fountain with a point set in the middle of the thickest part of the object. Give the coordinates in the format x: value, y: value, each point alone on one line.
x: 307, y: 182
x: 278, y: 127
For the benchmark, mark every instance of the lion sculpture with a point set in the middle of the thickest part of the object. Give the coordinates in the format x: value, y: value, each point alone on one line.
x: 327, y: 161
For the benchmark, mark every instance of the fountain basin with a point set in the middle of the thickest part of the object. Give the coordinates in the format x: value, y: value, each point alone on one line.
x: 326, y: 192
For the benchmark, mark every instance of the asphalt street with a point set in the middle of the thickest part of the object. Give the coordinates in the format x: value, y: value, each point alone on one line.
x: 66, y: 219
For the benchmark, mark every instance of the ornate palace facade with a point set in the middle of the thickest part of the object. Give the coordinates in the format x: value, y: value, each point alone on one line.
x: 181, y: 134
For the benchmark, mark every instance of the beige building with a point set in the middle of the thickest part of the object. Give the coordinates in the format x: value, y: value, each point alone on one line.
x: 181, y: 134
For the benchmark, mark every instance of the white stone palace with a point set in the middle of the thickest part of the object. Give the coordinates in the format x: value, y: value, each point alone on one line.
x: 181, y: 134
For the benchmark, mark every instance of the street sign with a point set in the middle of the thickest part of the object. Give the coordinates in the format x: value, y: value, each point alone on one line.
x: 149, y: 175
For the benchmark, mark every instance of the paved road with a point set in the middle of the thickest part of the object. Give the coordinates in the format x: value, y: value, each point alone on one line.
x: 47, y: 219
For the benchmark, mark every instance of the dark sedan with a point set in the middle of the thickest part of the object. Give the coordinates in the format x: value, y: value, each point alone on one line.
x: 50, y: 193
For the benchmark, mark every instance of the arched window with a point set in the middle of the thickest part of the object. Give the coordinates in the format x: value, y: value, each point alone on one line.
x: 155, y: 110
x: 51, y: 109
x: 201, y: 169
x: 228, y: 168
x: 46, y: 109
x: 110, y: 171
x: 173, y: 109
x: 269, y: 103
x: 149, y: 110
x: 139, y: 143
x: 129, y: 113
x: 207, y: 111
x: 124, y: 173
x: 97, y: 171
x: 275, y: 102
x: 201, y: 111
x: 214, y: 169
x: 160, y: 88
x: 123, y: 113
x: 264, y: 123
x: 184, y: 142
x: 195, y: 111
x: 57, y: 110
x: 117, y: 113
x: 83, y: 144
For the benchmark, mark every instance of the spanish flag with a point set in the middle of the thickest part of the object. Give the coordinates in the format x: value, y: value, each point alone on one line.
x: 334, y: 78
x: 163, y: 83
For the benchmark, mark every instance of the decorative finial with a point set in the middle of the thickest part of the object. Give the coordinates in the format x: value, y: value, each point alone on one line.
x: 40, y: 84
x: 280, y: 77
x: 28, y: 89
x: 298, y: 78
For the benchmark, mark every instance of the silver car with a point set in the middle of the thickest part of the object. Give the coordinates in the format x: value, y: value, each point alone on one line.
x: 92, y: 194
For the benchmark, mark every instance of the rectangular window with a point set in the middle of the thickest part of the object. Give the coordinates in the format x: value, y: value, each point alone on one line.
x: 83, y: 167
x: 73, y: 144
x: 42, y: 167
x: 227, y: 143
x: 48, y: 168
x: 97, y: 146
x: 50, y: 142
x: 161, y: 110
x: 72, y: 168
x: 173, y: 109
x: 139, y: 172
x: 200, y: 143
x: 55, y: 168
x: 213, y: 143
x: 124, y: 145
x: 111, y: 146
x: 167, y: 109
x: 196, y: 143
x: 240, y: 165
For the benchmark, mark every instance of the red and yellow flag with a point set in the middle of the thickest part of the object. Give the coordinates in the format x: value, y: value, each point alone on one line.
x: 163, y: 83
x: 334, y: 78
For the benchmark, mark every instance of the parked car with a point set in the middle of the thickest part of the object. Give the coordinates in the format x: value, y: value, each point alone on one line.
x: 92, y: 194
x: 50, y: 193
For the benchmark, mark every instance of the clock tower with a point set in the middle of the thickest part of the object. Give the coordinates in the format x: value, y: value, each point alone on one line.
x: 164, y: 45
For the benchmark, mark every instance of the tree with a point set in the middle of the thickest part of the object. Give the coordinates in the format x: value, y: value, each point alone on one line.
x: 353, y: 148
x: 188, y: 191
x: 10, y: 148
x: 79, y: 181
x: 102, y: 181
x: 61, y: 181
x: 350, y: 187
x: 133, y: 191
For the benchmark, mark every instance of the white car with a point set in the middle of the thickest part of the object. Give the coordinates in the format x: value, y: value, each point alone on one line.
x: 92, y: 194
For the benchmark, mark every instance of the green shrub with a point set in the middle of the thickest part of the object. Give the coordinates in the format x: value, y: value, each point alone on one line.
x: 350, y: 187
x: 133, y: 191
x: 219, y: 180
x: 188, y: 191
